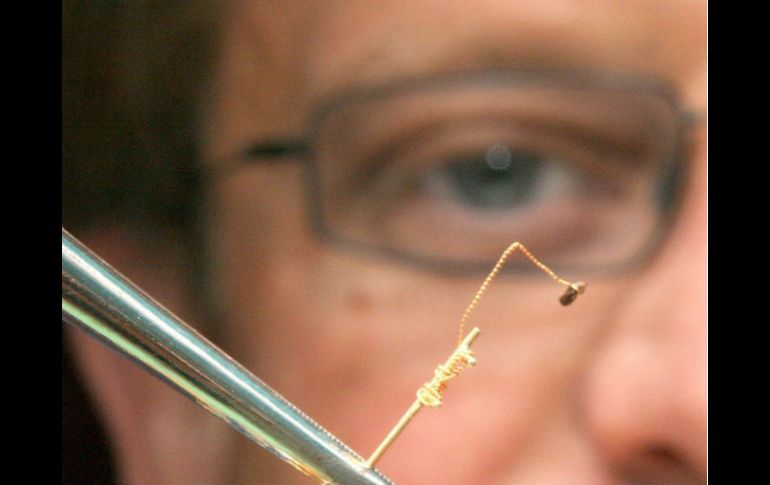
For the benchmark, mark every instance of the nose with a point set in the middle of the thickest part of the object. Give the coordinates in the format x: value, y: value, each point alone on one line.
x: 645, y: 395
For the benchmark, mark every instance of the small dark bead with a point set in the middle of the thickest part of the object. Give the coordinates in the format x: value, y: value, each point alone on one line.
x: 570, y: 295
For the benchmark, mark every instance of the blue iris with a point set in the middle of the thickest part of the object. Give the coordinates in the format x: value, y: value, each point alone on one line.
x: 498, y: 179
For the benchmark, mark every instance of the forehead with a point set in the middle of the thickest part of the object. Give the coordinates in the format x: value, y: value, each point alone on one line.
x: 375, y: 40
x: 279, y: 59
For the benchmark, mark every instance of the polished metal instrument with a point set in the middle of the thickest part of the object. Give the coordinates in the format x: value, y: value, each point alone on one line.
x: 101, y: 301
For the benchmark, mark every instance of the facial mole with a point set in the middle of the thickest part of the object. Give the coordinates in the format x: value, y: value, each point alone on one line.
x: 359, y: 302
x: 663, y: 455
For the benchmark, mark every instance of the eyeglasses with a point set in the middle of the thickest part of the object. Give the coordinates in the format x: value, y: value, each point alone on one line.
x: 586, y: 168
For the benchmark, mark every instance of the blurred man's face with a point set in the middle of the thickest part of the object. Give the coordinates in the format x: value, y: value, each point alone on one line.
x: 610, y: 390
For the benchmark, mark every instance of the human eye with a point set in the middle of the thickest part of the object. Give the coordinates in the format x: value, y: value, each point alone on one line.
x: 496, y: 180
x: 466, y: 179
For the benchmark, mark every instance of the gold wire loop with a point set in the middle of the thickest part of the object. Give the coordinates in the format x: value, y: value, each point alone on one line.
x: 431, y: 392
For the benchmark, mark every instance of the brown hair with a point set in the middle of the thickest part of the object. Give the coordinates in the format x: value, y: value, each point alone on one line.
x: 132, y: 75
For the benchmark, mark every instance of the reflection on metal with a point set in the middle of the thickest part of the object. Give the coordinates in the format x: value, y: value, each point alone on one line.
x: 96, y: 298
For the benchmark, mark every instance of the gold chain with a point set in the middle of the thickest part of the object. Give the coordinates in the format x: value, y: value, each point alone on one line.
x: 576, y: 287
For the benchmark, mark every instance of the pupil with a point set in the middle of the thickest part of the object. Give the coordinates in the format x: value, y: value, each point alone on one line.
x: 499, y: 179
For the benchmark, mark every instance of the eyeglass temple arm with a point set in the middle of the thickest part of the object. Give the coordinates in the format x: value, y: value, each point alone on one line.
x: 276, y: 150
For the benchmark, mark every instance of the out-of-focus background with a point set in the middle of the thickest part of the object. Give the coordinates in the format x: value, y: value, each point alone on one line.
x: 130, y: 75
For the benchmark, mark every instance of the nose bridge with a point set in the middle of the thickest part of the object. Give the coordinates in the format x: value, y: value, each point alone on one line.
x: 646, y: 385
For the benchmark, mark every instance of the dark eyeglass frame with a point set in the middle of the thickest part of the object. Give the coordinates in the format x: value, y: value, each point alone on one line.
x: 302, y: 150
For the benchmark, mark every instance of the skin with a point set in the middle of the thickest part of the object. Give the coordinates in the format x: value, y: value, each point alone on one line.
x: 611, y: 390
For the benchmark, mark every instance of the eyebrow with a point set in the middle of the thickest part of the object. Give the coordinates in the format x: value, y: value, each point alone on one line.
x: 381, y: 65
x: 609, y: 42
